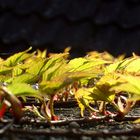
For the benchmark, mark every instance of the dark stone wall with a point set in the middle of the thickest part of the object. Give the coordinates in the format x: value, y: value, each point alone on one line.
x: 85, y: 25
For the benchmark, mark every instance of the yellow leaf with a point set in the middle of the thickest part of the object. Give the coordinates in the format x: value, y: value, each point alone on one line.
x: 17, y: 58
x: 137, y: 121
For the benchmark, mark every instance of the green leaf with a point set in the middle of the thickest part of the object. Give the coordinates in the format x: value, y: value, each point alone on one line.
x: 107, y: 81
x: 17, y: 58
x: 63, y: 69
x: 134, y: 66
x: 101, y: 91
x: 16, y: 71
x: 52, y: 86
x: 54, y: 59
x: 107, y: 96
x: 24, y: 78
x: 82, y: 101
x: 81, y: 64
x: 41, y: 54
x: 36, y: 66
x: 103, y: 55
x: 5, y: 70
x: 4, y: 78
x: 119, y: 65
x: 130, y: 85
x: 77, y: 62
x: 51, y: 72
x: 85, y: 96
x: 23, y: 89
x: 94, y: 94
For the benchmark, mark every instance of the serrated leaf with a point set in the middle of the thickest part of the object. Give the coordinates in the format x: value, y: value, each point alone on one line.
x: 119, y: 65
x: 59, y: 55
x: 82, y: 101
x: 50, y: 87
x: 23, y: 89
x: 107, y: 96
x: 54, y: 59
x: 64, y: 68
x: 107, y: 81
x: 5, y: 70
x: 41, y: 54
x: 77, y: 62
x: 16, y: 71
x: 85, y: 96
x: 24, y: 78
x: 103, y: 55
x: 134, y: 66
x: 50, y: 73
x: 81, y: 64
x: 131, y: 85
x: 4, y: 78
x: 101, y: 91
x: 36, y: 66
x: 80, y: 75
x: 96, y: 95
x: 126, y: 87
x: 17, y: 58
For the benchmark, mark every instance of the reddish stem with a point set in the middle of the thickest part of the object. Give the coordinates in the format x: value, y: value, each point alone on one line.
x: 3, y: 110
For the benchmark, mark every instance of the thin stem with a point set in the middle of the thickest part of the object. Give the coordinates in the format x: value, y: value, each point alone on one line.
x: 102, y: 107
x: 52, y: 105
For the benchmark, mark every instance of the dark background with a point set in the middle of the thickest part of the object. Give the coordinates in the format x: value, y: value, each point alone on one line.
x: 85, y: 25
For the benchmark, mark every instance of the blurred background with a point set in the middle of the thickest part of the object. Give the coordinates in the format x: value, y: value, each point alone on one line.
x: 85, y: 25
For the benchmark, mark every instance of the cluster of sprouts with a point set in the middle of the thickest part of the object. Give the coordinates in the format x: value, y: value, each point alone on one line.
x: 94, y: 81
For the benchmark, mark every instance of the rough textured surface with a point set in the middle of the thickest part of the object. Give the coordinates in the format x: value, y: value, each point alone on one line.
x: 84, y: 25
x: 70, y: 114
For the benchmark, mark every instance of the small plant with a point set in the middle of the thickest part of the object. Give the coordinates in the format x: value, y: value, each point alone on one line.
x: 94, y: 81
